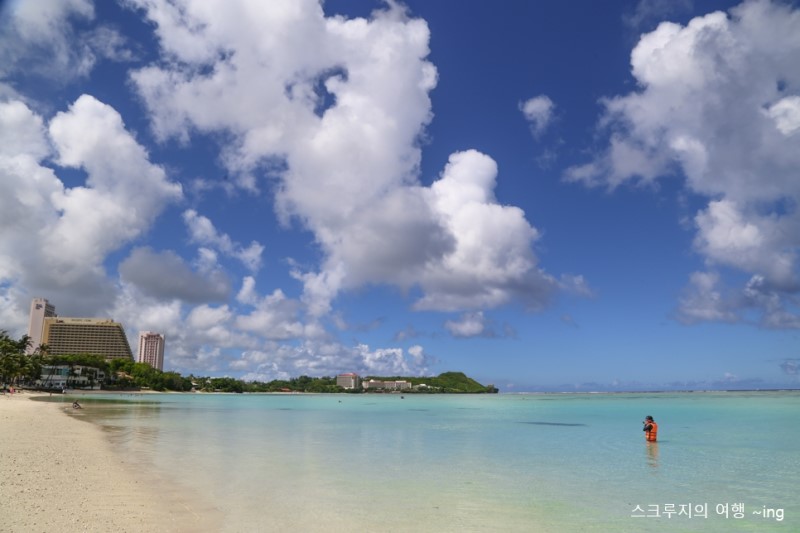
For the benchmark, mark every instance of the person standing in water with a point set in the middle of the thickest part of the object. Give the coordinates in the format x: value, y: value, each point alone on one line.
x: 650, y: 429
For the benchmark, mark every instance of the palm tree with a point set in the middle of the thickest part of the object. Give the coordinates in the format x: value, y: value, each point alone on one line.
x: 12, y: 356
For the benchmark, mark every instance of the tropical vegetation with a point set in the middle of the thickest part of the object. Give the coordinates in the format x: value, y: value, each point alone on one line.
x: 18, y: 368
x: 15, y: 365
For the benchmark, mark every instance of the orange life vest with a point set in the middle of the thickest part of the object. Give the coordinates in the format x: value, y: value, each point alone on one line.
x: 652, y: 434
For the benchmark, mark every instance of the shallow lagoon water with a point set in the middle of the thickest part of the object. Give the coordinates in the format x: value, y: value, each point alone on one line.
x: 538, y: 462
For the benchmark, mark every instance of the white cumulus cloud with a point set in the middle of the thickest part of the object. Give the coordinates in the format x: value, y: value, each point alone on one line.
x: 166, y: 276
x: 56, y: 238
x: 345, y: 123
x: 202, y: 231
x: 324, y: 358
x: 717, y: 101
x: 469, y: 325
x: 539, y: 112
x: 40, y: 38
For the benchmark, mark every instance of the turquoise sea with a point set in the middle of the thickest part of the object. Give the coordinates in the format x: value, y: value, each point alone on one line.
x: 725, y: 461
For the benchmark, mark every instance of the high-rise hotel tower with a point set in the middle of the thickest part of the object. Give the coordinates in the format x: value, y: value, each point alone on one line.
x: 75, y: 336
x: 151, y: 349
x: 95, y: 336
x: 40, y: 309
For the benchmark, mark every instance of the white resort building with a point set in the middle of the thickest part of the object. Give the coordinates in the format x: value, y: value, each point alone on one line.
x: 376, y: 384
x: 79, y: 377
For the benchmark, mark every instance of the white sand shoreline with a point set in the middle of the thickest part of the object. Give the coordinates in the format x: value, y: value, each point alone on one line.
x: 59, y: 474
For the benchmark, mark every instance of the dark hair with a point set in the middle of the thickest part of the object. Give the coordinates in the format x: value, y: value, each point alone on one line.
x: 648, y: 417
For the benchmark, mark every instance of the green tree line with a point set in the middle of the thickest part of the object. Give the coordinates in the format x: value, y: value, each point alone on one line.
x: 16, y: 367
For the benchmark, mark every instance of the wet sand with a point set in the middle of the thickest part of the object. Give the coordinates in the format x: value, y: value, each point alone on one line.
x: 58, y: 473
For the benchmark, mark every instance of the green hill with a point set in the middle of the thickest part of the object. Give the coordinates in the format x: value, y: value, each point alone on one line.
x: 449, y: 382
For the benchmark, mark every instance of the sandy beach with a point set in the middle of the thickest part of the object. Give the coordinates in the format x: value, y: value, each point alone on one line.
x: 58, y: 473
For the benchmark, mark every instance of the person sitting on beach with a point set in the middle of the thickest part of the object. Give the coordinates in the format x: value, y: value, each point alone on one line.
x: 650, y: 429
x: 76, y: 405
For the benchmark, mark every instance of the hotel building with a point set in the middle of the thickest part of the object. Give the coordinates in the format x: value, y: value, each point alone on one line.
x: 376, y: 384
x: 348, y: 381
x: 96, y: 336
x: 151, y: 349
x: 40, y: 309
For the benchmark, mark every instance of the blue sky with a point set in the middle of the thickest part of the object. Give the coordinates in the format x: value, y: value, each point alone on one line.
x: 547, y: 196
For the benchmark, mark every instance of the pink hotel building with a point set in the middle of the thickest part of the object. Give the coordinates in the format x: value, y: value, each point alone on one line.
x: 151, y: 349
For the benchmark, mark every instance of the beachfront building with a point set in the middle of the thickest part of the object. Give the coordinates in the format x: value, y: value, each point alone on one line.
x: 96, y: 336
x: 376, y: 384
x: 65, y: 377
x: 151, y: 349
x: 40, y: 309
x: 348, y: 381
